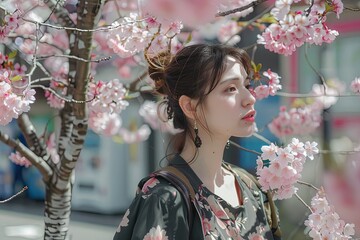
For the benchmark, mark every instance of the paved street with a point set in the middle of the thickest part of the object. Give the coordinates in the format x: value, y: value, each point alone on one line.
x: 20, y: 226
x: 20, y: 220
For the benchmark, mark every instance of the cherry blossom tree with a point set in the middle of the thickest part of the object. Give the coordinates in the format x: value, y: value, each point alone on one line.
x: 67, y: 40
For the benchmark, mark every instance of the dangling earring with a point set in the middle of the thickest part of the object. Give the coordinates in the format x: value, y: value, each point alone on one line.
x: 227, y: 146
x: 197, y: 139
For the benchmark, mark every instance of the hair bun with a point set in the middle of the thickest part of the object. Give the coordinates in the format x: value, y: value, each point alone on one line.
x: 157, y: 70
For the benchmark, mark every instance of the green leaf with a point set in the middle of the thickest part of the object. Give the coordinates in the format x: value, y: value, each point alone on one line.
x: 12, y: 54
x: 253, y: 65
x: 189, y: 38
x: 267, y: 18
x: 328, y: 7
x: 258, y: 67
x: 16, y: 78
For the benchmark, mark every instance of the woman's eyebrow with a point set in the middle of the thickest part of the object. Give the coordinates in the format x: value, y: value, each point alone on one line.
x: 229, y: 79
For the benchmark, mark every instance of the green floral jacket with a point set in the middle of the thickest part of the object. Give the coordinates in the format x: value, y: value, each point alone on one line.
x: 159, y: 212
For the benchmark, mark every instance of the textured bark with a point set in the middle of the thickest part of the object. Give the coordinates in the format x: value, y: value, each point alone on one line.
x: 36, y: 144
x: 73, y: 124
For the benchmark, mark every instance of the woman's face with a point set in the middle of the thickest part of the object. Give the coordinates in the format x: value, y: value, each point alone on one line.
x: 229, y: 108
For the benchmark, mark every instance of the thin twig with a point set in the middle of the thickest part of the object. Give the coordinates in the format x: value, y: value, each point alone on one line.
x: 262, y: 138
x: 352, y: 9
x: 339, y: 152
x: 313, y: 68
x: 240, y: 9
x: 248, y: 23
x: 245, y: 149
x: 303, y: 202
x: 107, y: 28
x: 308, y: 184
x: 75, y: 57
x: 14, y: 196
x: 42, y: 80
x: 306, y: 95
x: 58, y: 95
x: 308, y: 10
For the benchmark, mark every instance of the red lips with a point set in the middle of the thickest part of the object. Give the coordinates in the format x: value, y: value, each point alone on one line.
x: 250, y: 116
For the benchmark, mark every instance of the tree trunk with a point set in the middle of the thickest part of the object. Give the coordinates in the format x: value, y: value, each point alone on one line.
x: 73, y: 124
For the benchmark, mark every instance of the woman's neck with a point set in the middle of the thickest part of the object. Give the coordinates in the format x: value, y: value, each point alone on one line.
x: 208, y: 160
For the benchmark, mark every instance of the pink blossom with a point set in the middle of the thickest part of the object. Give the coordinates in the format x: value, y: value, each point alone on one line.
x: 139, y: 135
x: 54, y: 101
x: 269, y: 152
x: 261, y: 92
x: 301, y: 120
x: 11, y: 104
x: 191, y: 13
x: 107, y: 97
x: 281, y: 169
x: 355, y: 85
x: 324, y: 222
x: 149, y: 111
x: 311, y: 149
x: 338, y: 7
x: 105, y: 123
x: 18, y: 159
x: 293, y: 29
x: 228, y: 32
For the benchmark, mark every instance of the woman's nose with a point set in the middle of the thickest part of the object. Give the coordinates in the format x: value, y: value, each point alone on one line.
x: 248, y: 98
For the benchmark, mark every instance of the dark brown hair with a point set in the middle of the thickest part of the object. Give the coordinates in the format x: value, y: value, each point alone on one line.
x: 194, y: 71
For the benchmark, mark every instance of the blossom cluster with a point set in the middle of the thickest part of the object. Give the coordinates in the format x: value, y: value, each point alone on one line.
x: 106, y: 101
x: 18, y: 159
x: 133, y: 35
x: 324, y: 222
x: 293, y: 29
x: 355, y: 85
x: 107, y: 97
x: 264, y: 90
x: 296, y: 121
x: 306, y: 118
x: 149, y: 110
x: 279, y: 168
x: 9, y: 24
x: 13, y: 104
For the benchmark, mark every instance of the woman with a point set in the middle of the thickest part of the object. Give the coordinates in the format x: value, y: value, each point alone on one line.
x: 208, y: 97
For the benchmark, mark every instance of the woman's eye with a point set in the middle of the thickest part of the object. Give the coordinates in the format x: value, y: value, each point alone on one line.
x: 231, y: 89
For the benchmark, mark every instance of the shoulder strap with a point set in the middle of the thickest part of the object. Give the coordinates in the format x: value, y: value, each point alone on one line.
x: 183, y: 185
x: 269, y: 205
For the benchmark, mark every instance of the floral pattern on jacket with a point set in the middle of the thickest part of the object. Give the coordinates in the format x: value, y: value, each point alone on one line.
x: 160, y: 212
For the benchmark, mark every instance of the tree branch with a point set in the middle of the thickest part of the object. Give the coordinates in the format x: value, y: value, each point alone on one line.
x: 14, y: 196
x: 61, y: 14
x: 33, y: 141
x: 245, y: 149
x: 303, y: 202
x: 240, y: 9
x: 306, y: 95
x: 76, y: 29
x: 75, y: 57
x: 308, y: 184
x: 38, y: 162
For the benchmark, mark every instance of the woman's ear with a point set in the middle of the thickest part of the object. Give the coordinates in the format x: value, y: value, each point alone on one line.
x: 188, y: 106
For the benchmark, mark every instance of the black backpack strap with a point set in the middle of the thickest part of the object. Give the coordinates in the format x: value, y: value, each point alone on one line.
x: 183, y: 185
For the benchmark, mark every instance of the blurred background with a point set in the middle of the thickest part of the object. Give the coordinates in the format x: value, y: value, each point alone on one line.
x: 108, y: 170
